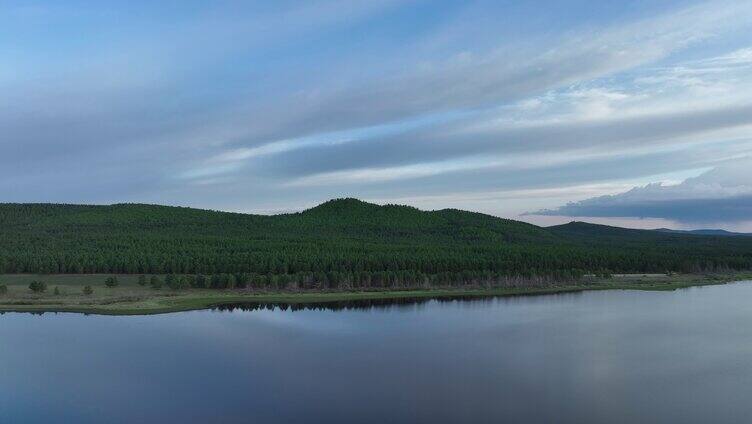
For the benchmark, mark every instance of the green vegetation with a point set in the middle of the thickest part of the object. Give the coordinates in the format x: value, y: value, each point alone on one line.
x: 341, y: 245
x: 130, y: 298
x: 155, y: 282
x: 341, y: 250
x: 111, y: 282
x: 38, y: 286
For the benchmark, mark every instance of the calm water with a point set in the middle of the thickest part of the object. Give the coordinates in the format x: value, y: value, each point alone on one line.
x: 617, y: 356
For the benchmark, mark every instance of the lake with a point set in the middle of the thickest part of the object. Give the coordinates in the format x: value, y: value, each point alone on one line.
x: 592, y: 357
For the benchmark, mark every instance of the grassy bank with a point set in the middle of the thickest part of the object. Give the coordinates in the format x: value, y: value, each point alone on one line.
x: 128, y: 298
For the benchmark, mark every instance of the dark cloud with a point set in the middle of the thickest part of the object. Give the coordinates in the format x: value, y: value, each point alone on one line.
x: 731, y: 209
x: 721, y: 194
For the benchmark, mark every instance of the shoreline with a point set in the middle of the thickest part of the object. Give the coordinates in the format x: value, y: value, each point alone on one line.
x: 163, y: 302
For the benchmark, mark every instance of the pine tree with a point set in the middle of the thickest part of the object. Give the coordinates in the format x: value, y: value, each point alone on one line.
x: 38, y: 286
x: 111, y: 282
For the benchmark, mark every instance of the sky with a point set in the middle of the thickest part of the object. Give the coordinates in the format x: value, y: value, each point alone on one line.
x: 630, y: 113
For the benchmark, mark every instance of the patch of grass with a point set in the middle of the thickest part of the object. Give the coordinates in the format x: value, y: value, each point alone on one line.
x: 131, y: 299
x: 93, y: 280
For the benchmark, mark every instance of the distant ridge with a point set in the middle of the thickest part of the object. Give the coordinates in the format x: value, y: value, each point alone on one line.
x: 705, y: 232
x: 589, y: 228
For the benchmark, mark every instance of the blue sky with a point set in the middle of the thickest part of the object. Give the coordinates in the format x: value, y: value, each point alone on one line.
x: 635, y: 113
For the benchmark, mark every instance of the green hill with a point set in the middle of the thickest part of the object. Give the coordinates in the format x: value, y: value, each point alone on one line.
x: 342, y: 240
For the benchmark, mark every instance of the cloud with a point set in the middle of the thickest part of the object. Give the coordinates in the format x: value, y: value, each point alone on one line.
x: 128, y: 98
x: 478, y: 79
x: 592, y: 119
x: 692, y: 211
x: 721, y: 194
x: 447, y: 142
x: 265, y: 106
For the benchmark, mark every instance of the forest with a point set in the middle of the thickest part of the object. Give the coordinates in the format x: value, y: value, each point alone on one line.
x: 343, y: 243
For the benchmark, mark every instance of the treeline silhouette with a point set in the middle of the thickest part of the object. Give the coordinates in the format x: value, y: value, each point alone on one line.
x: 341, y: 243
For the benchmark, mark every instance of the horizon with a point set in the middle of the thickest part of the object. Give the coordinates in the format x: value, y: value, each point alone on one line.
x: 634, y: 114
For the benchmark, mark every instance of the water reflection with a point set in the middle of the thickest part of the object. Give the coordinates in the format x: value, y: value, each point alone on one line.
x: 616, y: 357
x: 346, y: 305
x: 371, y: 304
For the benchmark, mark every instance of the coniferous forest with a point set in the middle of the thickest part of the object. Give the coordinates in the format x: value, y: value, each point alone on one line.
x: 341, y: 243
